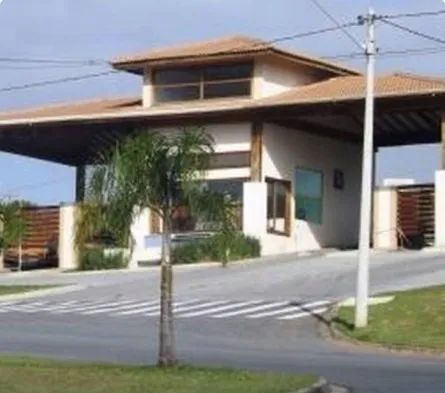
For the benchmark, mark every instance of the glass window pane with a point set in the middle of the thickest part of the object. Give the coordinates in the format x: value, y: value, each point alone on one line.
x: 270, y: 198
x: 309, y: 195
x: 225, y: 72
x: 226, y: 89
x: 233, y: 187
x: 280, y: 207
x: 171, y: 77
x: 183, y: 93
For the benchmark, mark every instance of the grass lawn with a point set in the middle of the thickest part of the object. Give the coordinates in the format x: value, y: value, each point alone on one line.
x: 42, y: 376
x: 414, y: 319
x: 11, y: 289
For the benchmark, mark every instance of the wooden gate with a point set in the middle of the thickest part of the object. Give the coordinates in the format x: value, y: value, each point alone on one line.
x: 39, y: 246
x: 415, y: 215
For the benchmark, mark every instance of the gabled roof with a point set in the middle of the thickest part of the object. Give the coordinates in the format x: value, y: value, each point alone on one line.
x: 229, y: 46
x: 349, y: 88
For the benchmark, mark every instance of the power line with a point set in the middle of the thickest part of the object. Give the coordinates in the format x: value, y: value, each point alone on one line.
x: 334, y: 20
x: 390, y: 53
x: 57, y: 81
x: 414, y: 32
x: 413, y: 14
x: 46, y: 67
x: 52, y: 61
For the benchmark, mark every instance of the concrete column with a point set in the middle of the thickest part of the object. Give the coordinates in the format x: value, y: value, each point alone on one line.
x: 140, y: 228
x: 442, y: 132
x: 440, y: 209
x: 67, y: 233
x: 80, y: 183
x: 255, y: 209
x: 385, y: 218
x: 148, y: 90
x: 2, y: 251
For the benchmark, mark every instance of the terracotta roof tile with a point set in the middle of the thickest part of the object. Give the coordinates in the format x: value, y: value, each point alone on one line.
x: 353, y: 87
x: 230, y: 45
x: 85, y: 107
x: 348, y: 88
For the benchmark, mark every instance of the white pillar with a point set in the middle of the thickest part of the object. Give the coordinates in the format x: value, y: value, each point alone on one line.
x: 67, y: 233
x: 440, y: 209
x: 255, y: 209
x: 385, y: 218
x: 140, y: 228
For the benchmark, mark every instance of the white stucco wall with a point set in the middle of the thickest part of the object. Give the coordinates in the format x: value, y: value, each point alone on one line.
x: 147, y: 89
x: 286, y: 149
x: 385, y: 218
x: 68, y: 259
x: 274, y: 76
x: 440, y: 209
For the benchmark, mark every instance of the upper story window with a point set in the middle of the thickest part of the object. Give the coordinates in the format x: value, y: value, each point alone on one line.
x: 200, y: 83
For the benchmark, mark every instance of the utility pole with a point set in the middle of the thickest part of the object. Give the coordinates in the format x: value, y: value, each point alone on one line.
x: 361, y: 303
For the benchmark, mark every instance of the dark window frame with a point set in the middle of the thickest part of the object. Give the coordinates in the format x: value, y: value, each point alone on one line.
x: 287, y: 208
x: 202, y: 83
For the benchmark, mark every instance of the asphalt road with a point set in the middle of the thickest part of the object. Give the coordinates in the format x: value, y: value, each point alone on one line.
x: 263, y: 343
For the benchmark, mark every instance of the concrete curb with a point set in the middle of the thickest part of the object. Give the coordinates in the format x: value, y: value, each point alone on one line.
x: 42, y: 292
x: 322, y: 386
x: 196, y: 266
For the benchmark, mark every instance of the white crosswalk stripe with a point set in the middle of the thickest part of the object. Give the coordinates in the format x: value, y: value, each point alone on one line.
x: 287, y: 309
x: 219, y: 309
x: 302, y: 314
x: 250, y: 310
x: 107, y: 308
x: 188, y: 308
x: 254, y: 309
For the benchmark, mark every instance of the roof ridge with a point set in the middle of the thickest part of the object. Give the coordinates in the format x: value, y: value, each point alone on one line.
x: 188, y: 44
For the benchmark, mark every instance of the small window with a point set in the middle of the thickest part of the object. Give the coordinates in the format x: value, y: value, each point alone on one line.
x: 278, y: 206
x: 201, y: 83
x: 227, y: 72
x: 179, y: 76
x: 226, y: 89
x: 182, y: 93
x: 309, y: 195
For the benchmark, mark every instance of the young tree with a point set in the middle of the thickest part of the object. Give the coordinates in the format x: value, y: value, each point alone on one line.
x: 12, y: 225
x: 160, y: 172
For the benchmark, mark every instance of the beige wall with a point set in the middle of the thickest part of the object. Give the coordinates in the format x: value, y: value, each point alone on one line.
x: 274, y: 76
x: 286, y: 149
x: 440, y: 209
x: 385, y: 218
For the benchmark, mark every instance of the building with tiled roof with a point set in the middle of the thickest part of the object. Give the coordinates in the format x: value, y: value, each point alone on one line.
x: 287, y: 129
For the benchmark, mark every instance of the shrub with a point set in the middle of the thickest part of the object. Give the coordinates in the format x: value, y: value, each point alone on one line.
x: 214, y: 249
x: 96, y: 258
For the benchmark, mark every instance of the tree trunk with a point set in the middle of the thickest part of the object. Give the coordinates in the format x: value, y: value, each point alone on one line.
x: 167, y: 350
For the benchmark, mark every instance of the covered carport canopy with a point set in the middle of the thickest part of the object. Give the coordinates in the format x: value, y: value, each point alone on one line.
x: 408, y: 111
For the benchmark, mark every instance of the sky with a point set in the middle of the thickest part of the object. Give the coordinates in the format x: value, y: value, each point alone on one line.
x: 102, y: 29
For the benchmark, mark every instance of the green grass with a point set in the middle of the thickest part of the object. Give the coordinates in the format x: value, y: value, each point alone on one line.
x: 42, y: 376
x: 415, y: 319
x: 12, y: 289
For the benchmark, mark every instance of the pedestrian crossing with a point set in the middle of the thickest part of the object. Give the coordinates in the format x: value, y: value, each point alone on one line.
x: 255, y: 309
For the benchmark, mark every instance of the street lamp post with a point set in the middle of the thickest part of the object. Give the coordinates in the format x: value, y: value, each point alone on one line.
x: 361, y: 306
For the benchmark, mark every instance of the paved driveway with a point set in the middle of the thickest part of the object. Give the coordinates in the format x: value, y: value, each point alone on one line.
x: 260, y: 315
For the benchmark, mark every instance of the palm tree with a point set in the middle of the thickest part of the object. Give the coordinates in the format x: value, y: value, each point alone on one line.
x: 159, y: 172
